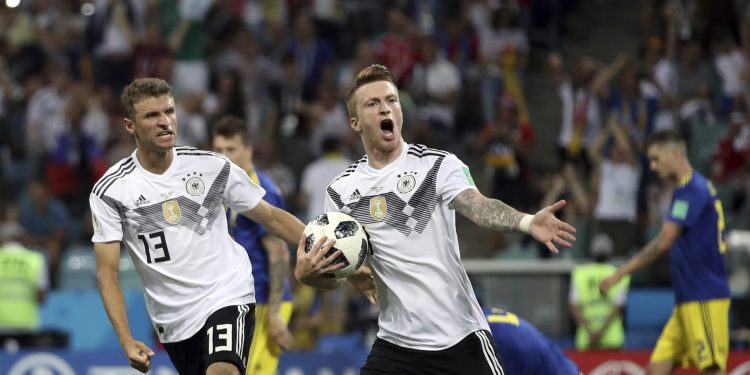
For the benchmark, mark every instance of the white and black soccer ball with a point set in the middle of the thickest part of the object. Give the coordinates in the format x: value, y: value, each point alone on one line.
x: 350, y: 236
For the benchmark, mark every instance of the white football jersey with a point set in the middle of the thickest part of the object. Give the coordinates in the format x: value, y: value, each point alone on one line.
x: 175, y: 229
x: 426, y: 299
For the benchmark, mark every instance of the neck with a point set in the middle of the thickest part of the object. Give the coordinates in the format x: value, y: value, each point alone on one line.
x: 378, y: 158
x: 683, y: 169
x: 155, y: 162
x: 249, y: 168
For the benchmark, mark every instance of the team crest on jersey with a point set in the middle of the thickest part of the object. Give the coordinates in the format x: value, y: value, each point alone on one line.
x: 172, y: 212
x: 195, y: 186
x: 378, y: 208
x: 406, y: 183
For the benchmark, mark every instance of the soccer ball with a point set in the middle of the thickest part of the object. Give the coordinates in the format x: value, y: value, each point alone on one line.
x: 350, y: 236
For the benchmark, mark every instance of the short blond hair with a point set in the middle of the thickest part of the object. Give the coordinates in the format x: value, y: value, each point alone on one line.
x: 372, y: 73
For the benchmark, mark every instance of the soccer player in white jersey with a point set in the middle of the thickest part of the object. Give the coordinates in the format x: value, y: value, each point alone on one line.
x: 405, y: 195
x: 166, y: 204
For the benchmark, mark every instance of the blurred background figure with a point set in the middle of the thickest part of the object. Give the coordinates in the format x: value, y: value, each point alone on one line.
x: 312, y: 188
x: 23, y: 285
x: 598, y: 317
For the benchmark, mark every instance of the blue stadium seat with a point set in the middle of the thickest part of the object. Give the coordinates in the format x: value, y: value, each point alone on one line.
x: 81, y: 314
x: 646, y: 312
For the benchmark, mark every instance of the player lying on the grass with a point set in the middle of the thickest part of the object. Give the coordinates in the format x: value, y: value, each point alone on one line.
x: 525, y: 350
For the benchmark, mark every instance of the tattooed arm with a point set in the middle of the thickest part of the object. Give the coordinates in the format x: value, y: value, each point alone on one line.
x: 486, y: 212
x: 494, y: 214
x: 278, y: 270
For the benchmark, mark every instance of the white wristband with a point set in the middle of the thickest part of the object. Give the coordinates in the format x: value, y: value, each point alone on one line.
x: 525, y: 223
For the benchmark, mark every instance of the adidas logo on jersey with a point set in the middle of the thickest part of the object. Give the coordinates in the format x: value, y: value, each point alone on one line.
x: 355, y: 196
x: 141, y: 201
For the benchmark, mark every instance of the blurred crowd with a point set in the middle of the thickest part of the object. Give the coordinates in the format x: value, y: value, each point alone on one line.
x: 462, y: 67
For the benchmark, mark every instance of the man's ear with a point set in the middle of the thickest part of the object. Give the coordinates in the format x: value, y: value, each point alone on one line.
x: 354, y: 123
x: 129, y: 125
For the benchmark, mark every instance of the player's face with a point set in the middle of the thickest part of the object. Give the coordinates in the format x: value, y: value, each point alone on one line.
x: 233, y: 148
x: 661, y: 159
x: 155, y: 123
x: 379, y: 117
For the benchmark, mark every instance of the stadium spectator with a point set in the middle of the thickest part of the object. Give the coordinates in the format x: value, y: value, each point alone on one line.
x: 566, y: 184
x: 398, y: 46
x: 315, y: 56
x: 579, y: 92
x: 506, y: 145
x: 74, y: 144
x: 268, y: 254
x: 316, y: 175
x: 697, y: 333
x: 407, y: 224
x: 190, y: 294
x: 731, y: 64
x: 45, y: 221
x: 598, y: 317
x: 615, y: 182
x: 436, y: 87
x: 327, y: 118
x: 524, y: 349
x: 730, y: 168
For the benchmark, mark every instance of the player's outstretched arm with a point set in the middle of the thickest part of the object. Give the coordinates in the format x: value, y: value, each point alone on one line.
x: 277, y: 221
x: 494, y: 214
x: 312, y: 266
x: 107, y: 274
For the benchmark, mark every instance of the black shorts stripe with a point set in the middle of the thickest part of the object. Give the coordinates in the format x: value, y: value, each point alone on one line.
x: 124, y: 173
x: 106, y: 178
x: 240, y: 344
x: 709, y: 329
x: 489, y: 353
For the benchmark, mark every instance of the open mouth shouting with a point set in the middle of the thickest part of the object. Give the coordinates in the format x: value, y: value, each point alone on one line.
x: 165, y: 135
x: 387, y: 127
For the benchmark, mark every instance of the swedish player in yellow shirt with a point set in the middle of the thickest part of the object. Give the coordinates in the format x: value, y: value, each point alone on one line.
x: 697, y: 333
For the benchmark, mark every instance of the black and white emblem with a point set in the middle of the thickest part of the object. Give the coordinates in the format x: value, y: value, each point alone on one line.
x: 195, y: 186
x: 406, y: 183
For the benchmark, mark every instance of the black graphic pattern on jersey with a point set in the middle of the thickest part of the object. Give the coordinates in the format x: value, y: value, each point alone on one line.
x: 106, y: 181
x: 194, y: 216
x: 423, y: 203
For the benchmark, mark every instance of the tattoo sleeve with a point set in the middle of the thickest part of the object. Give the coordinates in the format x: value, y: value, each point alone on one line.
x: 486, y: 212
x: 278, y: 268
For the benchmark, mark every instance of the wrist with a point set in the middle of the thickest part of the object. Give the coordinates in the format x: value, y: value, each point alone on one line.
x: 525, y: 223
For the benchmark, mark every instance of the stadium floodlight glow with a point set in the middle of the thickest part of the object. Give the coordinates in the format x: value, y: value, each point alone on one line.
x: 12, y: 3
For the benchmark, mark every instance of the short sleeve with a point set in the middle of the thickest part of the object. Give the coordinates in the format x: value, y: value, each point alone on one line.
x: 453, y: 178
x: 241, y: 193
x: 328, y: 204
x: 105, y: 219
x: 685, y: 208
